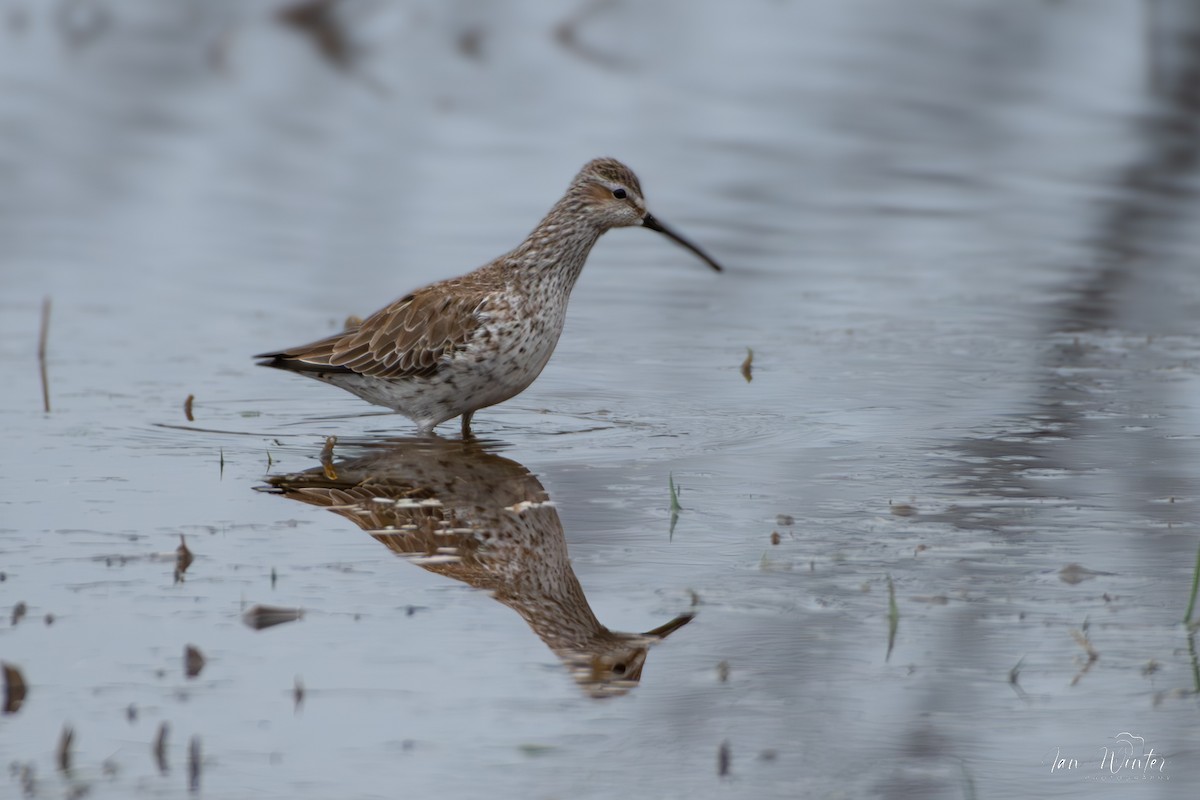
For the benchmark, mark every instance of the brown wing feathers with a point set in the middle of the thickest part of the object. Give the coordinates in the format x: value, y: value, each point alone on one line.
x: 408, y: 338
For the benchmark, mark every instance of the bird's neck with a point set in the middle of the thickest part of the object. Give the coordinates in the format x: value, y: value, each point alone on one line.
x: 558, y: 246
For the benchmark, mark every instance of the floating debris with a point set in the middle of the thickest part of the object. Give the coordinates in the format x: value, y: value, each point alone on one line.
x: 259, y: 617
x: 723, y: 672
x: 18, y: 613
x: 903, y: 509
x: 131, y: 712
x: 187, y: 407
x: 319, y: 22
x: 785, y: 520
x: 14, y: 688
x: 746, y: 365
x: 470, y: 42
x: 64, y: 749
x: 194, y: 764
x: 43, y: 335
x: 566, y: 33
x: 26, y: 774
x: 160, y: 748
x: 893, y: 617
x: 48, y: 619
x: 274, y: 577
x: 775, y: 539
x: 297, y: 694
x: 723, y: 759
x: 81, y: 22
x: 221, y: 451
x: 1077, y: 573
x: 531, y: 749
x: 327, y: 458
x: 193, y: 661
x: 183, y: 559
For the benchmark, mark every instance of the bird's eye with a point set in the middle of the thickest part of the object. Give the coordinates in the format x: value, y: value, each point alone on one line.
x: 618, y: 669
x: 619, y: 194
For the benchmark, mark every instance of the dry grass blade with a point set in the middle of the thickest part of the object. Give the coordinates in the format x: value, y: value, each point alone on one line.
x: 160, y: 748
x: 893, y: 618
x: 1014, y: 679
x: 43, y: 335
x: 14, y: 688
x: 63, y: 754
x: 1191, y: 606
x: 747, y: 364
x: 1082, y: 640
x: 194, y: 764
x: 193, y: 661
x: 298, y: 693
x: 259, y: 617
x: 187, y: 407
x: 675, y: 507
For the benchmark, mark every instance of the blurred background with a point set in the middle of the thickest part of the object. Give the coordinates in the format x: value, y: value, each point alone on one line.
x: 923, y: 461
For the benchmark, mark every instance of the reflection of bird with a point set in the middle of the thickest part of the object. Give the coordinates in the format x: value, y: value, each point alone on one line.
x: 457, y: 510
x: 464, y: 344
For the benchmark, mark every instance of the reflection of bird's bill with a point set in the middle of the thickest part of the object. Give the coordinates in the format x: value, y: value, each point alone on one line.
x: 653, y: 224
x: 665, y: 630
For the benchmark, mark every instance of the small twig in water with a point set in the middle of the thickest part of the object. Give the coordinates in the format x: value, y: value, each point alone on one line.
x: 723, y: 759
x: 675, y: 507
x: 194, y: 764
x: 187, y: 407
x: 64, y: 749
x: 41, y: 353
x: 746, y: 373
x: 893, y: 617
x: 160, y: 748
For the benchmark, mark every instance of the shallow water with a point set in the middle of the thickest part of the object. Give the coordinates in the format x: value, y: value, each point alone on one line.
x: 959, y: 239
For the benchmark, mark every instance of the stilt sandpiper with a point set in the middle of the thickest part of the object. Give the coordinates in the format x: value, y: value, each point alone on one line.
x: 467, y: 343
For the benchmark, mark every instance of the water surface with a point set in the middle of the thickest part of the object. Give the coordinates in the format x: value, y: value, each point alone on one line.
x: 959, y: 240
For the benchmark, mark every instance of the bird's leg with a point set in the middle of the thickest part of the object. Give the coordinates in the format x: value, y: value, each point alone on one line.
x: 466, y: 425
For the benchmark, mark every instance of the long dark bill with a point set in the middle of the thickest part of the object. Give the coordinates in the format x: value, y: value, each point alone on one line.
x: 650, y: 222
x: 665, y: 630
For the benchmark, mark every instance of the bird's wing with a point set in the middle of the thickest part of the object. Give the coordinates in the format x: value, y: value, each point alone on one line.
x: 409, y: 338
